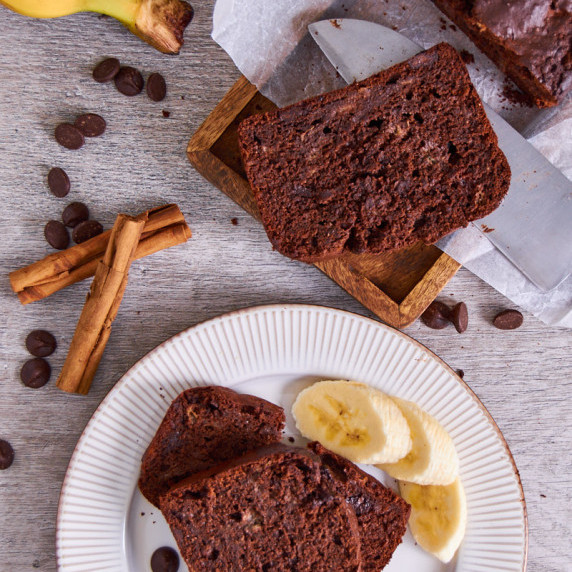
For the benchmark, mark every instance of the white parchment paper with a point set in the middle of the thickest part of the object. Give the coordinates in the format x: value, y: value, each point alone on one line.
x: 269, y: 43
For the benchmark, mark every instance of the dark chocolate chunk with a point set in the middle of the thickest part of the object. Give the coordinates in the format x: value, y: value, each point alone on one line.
x: 90, y: 124
x: 129, y: 81
x: 59, y: 182
x: 508, y: 320
x: 467, y: 57
x: 75, y: 213
x: 460, y: 317
x: 41, y: 343
x: 156, y: 87
x: 69, y: 136
x: 56, y: 234
x: 6, y: 455
x: 106, y: 70
x: 165, y: 559
x: 35, y: 372
x: 86, y: 230
x: 437, y: 316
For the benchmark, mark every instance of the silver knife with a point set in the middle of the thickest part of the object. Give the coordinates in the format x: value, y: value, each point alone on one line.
x: 533, y: 225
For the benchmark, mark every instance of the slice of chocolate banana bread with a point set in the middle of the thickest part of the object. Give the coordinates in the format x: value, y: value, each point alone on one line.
x: 202, y: 427
x: 270, y: 510
x: 382, y: 515
x: 529, y: 40
x: 405, y: 155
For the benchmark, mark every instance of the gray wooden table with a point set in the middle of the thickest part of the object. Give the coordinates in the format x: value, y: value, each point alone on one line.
x: 523, y: 377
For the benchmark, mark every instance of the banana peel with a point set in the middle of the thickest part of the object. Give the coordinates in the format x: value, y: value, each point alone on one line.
x: 160, y: 23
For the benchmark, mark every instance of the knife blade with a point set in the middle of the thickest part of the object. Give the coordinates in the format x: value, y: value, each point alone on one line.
x: 533, y: 225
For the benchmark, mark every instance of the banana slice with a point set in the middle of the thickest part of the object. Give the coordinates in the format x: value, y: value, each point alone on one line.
x: 353, y: 420
x: 433, y: 459
x: 438, y: 516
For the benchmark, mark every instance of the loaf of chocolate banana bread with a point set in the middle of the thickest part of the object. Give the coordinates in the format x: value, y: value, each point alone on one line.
x: 529, y: 40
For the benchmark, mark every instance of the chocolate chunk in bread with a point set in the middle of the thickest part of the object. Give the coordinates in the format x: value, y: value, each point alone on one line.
x: 382, y: 515
x: 529, y: 40
x: 202, y: 427
x: 405, y: 155
x: 270, y: 511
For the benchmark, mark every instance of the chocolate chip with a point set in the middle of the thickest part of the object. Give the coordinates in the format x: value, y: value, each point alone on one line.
x: 56, y: 234
x: 75, y: 213
x: 156, y: 87
x: 35, y: 373
x: 106, y: 70
x: 41, y: 343
x: 86, y: 230
x: 508, y: 320
x: 165, y: 559
x: 461, y: 373
x: 460, y: 317
x: 129, y: 81
x: 69, y: 136
x: 59, y: 182
x: 90, y: 124
x: 437, y: 316
x: 467, y: 57
x: 6, y: 455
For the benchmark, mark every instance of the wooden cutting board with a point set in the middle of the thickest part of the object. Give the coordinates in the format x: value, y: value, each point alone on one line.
x: 396, y: 287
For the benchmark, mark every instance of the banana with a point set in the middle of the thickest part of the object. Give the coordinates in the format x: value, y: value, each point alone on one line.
x: 438, y: 516
x: 160, y: 23
x: 432, y: 459
x: 353, y: 420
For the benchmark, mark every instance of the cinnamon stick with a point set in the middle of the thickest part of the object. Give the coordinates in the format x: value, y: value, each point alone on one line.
x: 94, y: 325
x: 165, y: 227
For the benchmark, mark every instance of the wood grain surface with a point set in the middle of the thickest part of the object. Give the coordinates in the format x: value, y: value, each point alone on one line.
x: 523, y: 377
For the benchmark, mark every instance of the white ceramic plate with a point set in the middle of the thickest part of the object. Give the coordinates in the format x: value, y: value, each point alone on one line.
x: 275, y: 351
